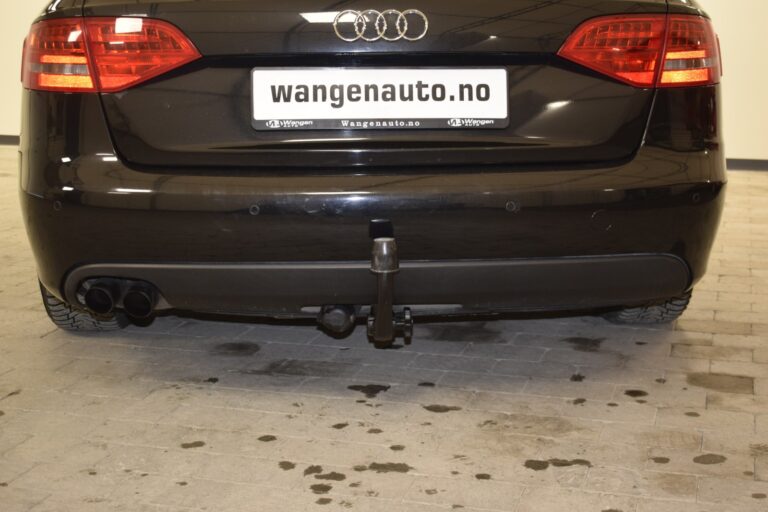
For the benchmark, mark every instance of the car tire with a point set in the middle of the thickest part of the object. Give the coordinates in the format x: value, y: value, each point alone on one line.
x: 659, y: 313
x: 70, y: 319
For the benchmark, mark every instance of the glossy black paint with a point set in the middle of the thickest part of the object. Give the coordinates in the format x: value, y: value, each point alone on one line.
x: 62, y: 8
x: 172, y: 173
x: 247, y: 27
x: 206, y: 120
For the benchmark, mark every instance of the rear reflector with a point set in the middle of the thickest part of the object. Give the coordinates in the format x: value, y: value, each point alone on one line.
x: 101, y: 54
x: 648, y: 50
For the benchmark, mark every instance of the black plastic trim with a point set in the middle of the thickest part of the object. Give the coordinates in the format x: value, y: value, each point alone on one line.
x: 738, y: 164
x: 9, y: 140
x: 284, y: 289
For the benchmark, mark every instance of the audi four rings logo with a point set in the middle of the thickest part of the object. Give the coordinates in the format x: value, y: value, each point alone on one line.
x: 389, y: 25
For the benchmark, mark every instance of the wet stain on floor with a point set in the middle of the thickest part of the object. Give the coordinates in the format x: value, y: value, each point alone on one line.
x: 385, y: 467
x: 541, y: 465
x: 313, y: 470
x: 340, y: 426
x: 723, y: 383
x: 584, y: 344
x: 709, y: 459
x: 577, y: 377
x: 182, y: 484
x: 693, y: 414
x: 236, y: 349
x: 193, y: 444
x: 579, y: 401
x: 426, y: 384
x: 758, y: 450
x: 760, y: 496
x: 440, y: 409
x: 267, y: 439
x: 536, y: 465
x: 375, y: 431
x: 370, y: 390
x: 321, y: 488
x: 333, y: 475
x: 397, y: 447
x: 212, y: 380
x: 430, y: 492
x: 12, y: 393
x: 483, y: 476
x: 636, y: 393
x: 660, y: 460
x: 286, y: 465
x: 324, y: 501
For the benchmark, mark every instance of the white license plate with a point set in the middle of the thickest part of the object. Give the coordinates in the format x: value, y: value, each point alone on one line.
x: 370, y: 99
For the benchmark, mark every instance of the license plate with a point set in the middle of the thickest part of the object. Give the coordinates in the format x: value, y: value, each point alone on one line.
x: 379, y: 99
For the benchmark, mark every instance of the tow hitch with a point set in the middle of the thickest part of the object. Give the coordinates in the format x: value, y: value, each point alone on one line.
x: 384, y: 324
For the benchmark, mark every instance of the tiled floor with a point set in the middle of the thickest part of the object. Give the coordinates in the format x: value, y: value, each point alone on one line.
x: 537, y: 415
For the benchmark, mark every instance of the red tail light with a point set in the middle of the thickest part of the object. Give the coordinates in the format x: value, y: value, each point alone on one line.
x: 648, y: 50
x: 692, y: 55
x: 101, y: 54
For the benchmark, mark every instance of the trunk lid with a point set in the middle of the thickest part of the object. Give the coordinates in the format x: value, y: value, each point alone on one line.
x: 201, y: 115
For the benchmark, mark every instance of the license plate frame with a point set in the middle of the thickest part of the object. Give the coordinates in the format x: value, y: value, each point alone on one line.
x: 479, y: 96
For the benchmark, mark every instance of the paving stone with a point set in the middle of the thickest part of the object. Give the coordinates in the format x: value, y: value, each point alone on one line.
x: 482, y: 382
x: 16, y: 499
x: 499, y: 351
x: 761, y: 424
x: 734, y: 493
x: 538, y: 499
x: 642, y: 483
x: 652, y: 437
x: 574, y: 388
x: 645, y: 505
x: 474, y: 493
x: 705, y: 419
x: 737, y: 402
x: 711, y: 353
x: 761, y: 468
x: 448, y: 362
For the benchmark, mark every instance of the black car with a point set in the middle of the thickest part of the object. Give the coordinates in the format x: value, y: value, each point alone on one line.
x: 247, y: 158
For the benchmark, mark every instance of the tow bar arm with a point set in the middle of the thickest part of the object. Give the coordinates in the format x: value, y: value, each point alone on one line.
x: 384, y: 324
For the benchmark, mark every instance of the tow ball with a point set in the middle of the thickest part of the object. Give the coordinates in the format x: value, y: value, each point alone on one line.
x: 384, y: 324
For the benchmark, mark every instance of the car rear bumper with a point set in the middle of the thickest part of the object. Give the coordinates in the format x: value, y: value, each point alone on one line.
x: 276, y: 242
x: 286, y: 255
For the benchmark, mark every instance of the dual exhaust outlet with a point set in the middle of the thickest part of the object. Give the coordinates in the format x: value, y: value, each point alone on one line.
x: 103, y: 297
